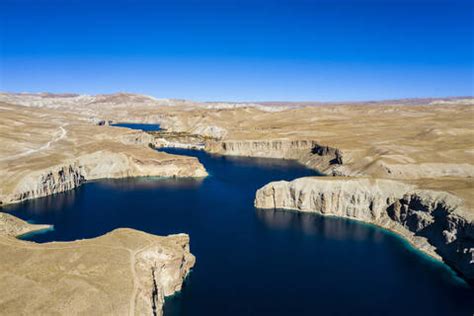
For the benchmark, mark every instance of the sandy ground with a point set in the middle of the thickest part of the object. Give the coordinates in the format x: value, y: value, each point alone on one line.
x: 430, y: 145
x: 429, y: 142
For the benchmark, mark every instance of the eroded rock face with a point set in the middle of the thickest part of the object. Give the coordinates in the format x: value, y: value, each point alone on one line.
x: 54, y: 180
x: 160, y: 272
x: 46, y: 152
x: 309, y: 152
x: 100, y: 165
x: 125, y: 272
x: 263, y: 148
x: 178, y: 140
x: 434, y: 222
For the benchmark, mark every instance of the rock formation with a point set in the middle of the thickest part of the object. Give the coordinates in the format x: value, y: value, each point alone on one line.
x: 51, y: 143
x: 125, y: 272
x: 308, y: 152
x: 46, y: 152
x: 432, y: 221
x: 178, y: 140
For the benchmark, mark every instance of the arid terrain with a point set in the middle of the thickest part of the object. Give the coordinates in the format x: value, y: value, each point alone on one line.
x: 45, y: 151
x: 416, y: 156
x: 122, y: 272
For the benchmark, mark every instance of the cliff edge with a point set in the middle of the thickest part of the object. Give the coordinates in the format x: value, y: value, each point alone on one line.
x: 434, y: 222
x: 125, y: 272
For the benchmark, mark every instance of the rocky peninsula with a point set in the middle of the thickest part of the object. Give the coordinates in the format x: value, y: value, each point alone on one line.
x: 48, y: 151
x: 125, y: 272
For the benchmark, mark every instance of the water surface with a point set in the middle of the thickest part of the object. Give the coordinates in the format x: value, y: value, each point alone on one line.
x: 254, y: 262
x: 140, y: 126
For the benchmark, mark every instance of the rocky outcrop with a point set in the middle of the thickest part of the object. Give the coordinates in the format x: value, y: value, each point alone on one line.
x: 46, y: 152
x: 286, y: 149
x: 125, y: 272
x: 432, y: 221
x: 309, y: 152
x: 54, y: 180
x: 178, y: 140
x: 99, y: 165
x: 161, y: 274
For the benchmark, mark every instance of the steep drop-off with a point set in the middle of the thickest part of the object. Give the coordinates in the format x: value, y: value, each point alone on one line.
x: 102, y: 164
x: 308, y: 152
x: 125, y: 272
x: 46, y: 152
x: 432, y: 221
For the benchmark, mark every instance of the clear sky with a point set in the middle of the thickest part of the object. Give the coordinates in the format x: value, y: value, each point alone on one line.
x: 251, y: 50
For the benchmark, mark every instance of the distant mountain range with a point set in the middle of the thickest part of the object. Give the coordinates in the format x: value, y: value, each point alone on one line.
x: 120, y: 99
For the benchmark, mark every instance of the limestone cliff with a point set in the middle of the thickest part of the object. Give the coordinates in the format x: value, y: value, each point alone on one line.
x: 160, y: 270
x: 309, y: 152
x: 102, y: 164
x: 125, y: 272
x: 178, y: 140
x: 432, y: 221
x: 46, y: 152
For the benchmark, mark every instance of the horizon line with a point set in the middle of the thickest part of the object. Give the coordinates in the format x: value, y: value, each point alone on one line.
x: 243, y: 101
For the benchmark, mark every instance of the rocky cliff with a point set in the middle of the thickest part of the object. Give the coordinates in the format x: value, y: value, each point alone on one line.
x: 308, y: 152
x: 46, y: 152
x: 178, y: 140
x: 432, y: 221
x: 160, y: 270
x: 125, y: 272
x: 102, y: 164
x: 283, y: 148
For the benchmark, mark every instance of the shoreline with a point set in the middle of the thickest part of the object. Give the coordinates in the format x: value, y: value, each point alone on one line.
x: 431, y: 221
x: 409, y: 244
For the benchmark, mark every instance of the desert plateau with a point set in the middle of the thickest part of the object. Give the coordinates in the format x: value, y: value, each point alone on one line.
x: 404, y: 167
x: 250, y: 157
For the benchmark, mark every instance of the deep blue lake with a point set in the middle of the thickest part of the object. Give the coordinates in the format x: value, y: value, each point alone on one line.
x: 254, y: 262
x: 140, y: 126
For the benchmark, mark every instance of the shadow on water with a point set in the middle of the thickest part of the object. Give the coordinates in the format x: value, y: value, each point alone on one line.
x: 150, y: 183
x: 316, y: 225
x: 257, y: 262
x: 341, y: 229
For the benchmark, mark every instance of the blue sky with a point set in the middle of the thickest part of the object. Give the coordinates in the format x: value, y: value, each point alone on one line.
x: 240, y: 50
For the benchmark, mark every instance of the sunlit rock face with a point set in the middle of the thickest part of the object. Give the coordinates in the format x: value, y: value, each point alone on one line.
x: 432, y: 221
x: 125, y: 272
x: 309, y: 152
x: 48, y: 151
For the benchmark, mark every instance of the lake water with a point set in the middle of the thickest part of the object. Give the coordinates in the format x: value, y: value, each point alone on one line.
x: 140, y: 126
x: 255, y: 262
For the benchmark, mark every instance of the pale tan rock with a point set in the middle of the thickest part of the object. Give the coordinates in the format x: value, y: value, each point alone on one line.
x: 426, y: 143
x: 435, y: 222
x: 125, y: 272
x: 47, y: 151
